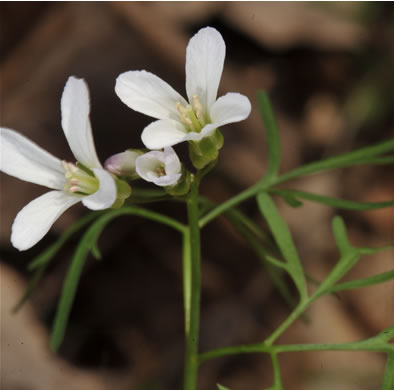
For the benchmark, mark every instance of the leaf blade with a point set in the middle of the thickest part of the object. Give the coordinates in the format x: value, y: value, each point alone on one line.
x: 284, y: 240
x: 364, y: 282
x: 271, y: 135
x: 333, y: 202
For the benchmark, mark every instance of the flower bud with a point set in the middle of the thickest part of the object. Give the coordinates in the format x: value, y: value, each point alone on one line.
x: 123, y: 164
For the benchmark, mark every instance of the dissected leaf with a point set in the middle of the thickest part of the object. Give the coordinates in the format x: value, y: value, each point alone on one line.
x: 339, y: 230
x: 329, y: 201
x: 271, y: 134
x: 284, y: 240
x: 367, y: 155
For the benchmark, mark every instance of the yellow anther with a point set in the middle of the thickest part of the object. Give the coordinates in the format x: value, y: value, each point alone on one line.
x: 197, y: 107
x: 183, y: 114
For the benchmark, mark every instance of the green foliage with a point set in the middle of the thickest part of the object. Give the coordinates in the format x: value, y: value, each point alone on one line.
x: 368, y: 155
x: 388, y: 381
x: 271, y: 135
x: 278, y: 255
x: 88, y: 243
x: 292, y: 198
x: 284, y: 240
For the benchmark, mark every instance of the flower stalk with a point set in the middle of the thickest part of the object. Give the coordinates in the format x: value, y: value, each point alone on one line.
x: 192, y: 273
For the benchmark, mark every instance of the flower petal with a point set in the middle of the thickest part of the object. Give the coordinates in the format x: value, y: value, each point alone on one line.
x: 36, y: 218
x: 163, y: 133
x: 204, y: 65
x: 230, y: 108
x: 146, y: 93
x: 148, y: 164
x: 22, y: 158
x: 75, y: 108
x: 105, y: 196
x: 167, y: 180
x: 171, y: 161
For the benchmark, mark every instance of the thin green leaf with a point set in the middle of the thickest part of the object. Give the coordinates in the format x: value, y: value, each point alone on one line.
x: 47, y: 255
x: 334, y: 202
x: 371, y: 251
x: 274, y: 267
x: 368, y: 155
x: 272, y: 135
x: 220, y: 387
x: 388, y: 380
x: 339, y: 230
x: 383, y: 337
x: 359, y: 283
x: 38, y: 274
x: 385, y: 160
x: 89, y: 241
x: 96, y: 251
x: 262, y: 245
x: 68, y: 292
x: 284, y: 240
x: 290, y: 199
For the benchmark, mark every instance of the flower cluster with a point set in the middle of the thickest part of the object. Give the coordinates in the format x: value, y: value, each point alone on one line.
x: 196, y: 120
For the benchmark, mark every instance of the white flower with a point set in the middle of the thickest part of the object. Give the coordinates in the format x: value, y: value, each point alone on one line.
x: 71, y: 183
x: 179, y: 120
x: 160, y: 167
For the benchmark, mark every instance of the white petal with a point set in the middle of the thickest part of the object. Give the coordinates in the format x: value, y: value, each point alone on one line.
x: 146, y: 93
x: 230, y: 108
x: 105, y: 196
x: 163, y: 133
x: 171, y: 161
x: 36, y: 218
x: 148, y: 164
x: 22, y: 158
x: 167, y: 180
x: 75, y: 108
x: 204, y: 65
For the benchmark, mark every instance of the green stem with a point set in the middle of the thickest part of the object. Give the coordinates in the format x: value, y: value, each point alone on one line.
x: 275, y: 349
x: 242, y: 196
x: 192, y: 257
x: 288, y: 321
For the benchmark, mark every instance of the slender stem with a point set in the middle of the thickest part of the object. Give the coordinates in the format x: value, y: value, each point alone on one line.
x: 288, y: 321
x: 275, y: 364
x: 242, y: 196
x: 193, y: 256
x: 263, y: 348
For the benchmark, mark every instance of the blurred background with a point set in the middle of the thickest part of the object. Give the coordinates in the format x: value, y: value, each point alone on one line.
x: 328, y: 68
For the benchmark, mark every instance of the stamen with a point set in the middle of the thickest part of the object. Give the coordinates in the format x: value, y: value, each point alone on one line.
x: 160, y: 170
x: 197, y: 107
x: 193, y: 118
x: 183, y: 114
x: 77, y: 180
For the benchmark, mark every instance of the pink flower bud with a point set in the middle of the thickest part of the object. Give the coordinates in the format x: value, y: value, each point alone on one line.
x: 123, y: 164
